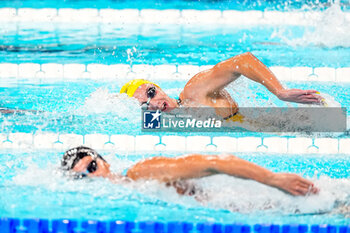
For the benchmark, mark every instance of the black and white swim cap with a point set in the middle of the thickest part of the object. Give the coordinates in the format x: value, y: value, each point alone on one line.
x: 72, y: 156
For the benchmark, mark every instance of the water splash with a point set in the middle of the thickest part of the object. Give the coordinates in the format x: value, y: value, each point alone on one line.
x: 132, y: 53
x: 248, y: 196
x: 329, y: 101
x: 103, y: 102
x: 328, y: 29
x: 247, y: 94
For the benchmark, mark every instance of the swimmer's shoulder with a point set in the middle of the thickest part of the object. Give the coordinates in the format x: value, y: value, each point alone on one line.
x: 143, y: 168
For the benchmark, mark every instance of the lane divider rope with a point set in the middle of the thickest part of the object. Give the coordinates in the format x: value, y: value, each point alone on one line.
x: 156, y: 72
x: 183, y: 144
x: 92, y: 226
x: 168, y: 16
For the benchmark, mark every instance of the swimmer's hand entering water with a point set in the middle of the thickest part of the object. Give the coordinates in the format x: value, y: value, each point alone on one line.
x: 300, y: 96
x: 293, y: 184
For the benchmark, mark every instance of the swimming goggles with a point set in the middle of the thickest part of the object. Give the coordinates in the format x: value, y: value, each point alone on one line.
x: 151, y: 92
x: 91, y: 167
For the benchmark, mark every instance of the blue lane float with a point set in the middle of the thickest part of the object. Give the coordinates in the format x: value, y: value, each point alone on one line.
x: 14, y: 225
x: 295, y: 228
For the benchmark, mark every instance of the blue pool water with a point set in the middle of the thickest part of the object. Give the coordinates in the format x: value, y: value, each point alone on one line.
x: 32, y: 177
x: 174, y: 44
x: 173, y: 4
x: 31, y: 185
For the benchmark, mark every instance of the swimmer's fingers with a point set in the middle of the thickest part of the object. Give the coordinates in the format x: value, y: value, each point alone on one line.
x: 304, y: 182
x: 307, y: 92
x: 310, y: 99
x: 307, y: 186
x: 302, y: 191
x: 319, y: 97
x: 312, y: 189
x: 300, y: 96
x: 299, y: 190
x: 315, y: 190
x: 294, y: 184
x: 313, y: 96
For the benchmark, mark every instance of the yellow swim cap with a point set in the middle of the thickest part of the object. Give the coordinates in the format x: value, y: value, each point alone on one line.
x: 237, y: 117
x: 130, y: 87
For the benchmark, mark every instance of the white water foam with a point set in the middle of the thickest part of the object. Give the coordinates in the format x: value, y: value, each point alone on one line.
x: 329, y: 28
x: 249, y: 196
x: 246, y: 96
x: 329, y: 101
x: 173, y: 92
x: 104, y: 102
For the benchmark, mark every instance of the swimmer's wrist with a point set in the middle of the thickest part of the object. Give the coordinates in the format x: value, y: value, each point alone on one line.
x: 276, y: 180
x: 272, y: 179
x: 280, y: 93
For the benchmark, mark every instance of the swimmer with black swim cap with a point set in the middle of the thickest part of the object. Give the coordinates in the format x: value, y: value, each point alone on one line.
x: 176, y: 172
x: 207, y: 88
x: 72, y: 156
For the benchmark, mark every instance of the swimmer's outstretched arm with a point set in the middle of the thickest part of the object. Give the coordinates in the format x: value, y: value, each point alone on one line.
x: 248, y: 65
x: 196, y: 166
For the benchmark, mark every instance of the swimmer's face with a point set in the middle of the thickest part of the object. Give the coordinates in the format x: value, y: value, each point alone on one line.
x: 159, y: 101
x: 97, y: 166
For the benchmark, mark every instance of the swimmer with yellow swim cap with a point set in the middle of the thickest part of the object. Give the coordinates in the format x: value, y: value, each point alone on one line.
x: 207, y: 88
x: 149, y: 94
